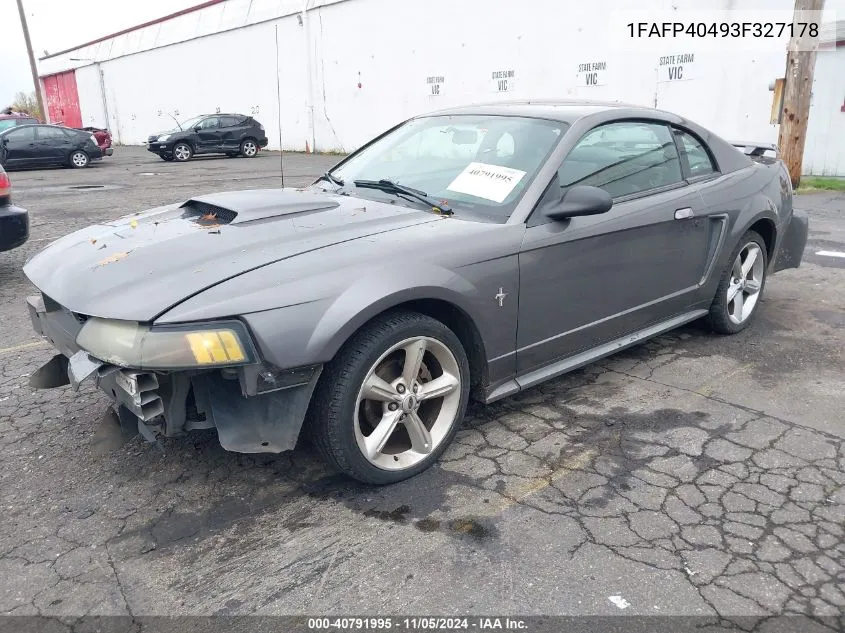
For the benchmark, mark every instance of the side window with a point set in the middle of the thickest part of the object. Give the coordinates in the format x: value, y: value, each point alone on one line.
x: 51, y: 134
x: 623, y: 158
x: 700, y: 163
x: 210, y: 123
x: 231, y: 121
x: 22, y: 135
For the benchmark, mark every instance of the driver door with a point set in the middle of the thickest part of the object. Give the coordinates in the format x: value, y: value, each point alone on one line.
x: 589, y: 280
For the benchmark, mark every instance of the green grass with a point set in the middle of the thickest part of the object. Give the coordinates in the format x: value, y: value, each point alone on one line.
x: 812, y: 183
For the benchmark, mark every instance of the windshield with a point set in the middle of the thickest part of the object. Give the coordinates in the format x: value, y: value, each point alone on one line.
x: 478, y: 165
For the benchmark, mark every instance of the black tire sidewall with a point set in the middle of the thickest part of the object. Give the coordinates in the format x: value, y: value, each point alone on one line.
x: 353, y: 363
x: 190, y: 153
x: 719, y: 318
x: 254, y: 142
x: 74, y: 165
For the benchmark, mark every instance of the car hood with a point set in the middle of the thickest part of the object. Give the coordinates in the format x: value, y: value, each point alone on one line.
x: 139, y: 266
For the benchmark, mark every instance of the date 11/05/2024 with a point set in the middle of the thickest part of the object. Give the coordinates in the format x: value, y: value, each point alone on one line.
x: 723, y: 29
x: 418, y: 624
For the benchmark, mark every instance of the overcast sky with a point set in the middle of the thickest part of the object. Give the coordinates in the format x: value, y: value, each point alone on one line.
x: 58, y: 24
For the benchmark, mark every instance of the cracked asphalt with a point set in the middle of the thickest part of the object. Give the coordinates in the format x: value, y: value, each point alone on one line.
x: 691, y: 475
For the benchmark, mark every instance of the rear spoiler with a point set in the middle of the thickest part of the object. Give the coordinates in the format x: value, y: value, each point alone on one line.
x: 750, y: 148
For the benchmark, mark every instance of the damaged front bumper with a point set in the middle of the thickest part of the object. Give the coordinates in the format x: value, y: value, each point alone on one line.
x: 255, y: 408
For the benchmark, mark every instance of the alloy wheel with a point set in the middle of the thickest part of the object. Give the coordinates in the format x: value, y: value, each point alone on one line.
x: 408, y: 403
x: 79, y: 159
x: 745, y: 283
x: 249, y: 148
x: 182, y: 152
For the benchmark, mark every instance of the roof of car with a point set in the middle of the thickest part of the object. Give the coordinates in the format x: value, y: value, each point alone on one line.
x: 20, y: 127
x: 555, y: 109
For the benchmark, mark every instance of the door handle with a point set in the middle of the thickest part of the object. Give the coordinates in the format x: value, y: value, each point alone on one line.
x: 683, y: 214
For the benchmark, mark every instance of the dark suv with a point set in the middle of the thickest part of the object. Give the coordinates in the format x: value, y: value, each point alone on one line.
x: 230, y: 134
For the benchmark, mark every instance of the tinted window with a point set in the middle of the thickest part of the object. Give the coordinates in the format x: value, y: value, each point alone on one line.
x: 21, y: 135
x: 623, y: 158
x: 699, y: 160
x: 231, y: 121
x: 210, y: 123
x: 52, y: 134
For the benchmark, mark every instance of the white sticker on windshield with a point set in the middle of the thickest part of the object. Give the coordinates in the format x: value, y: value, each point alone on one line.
x: 492, y: 182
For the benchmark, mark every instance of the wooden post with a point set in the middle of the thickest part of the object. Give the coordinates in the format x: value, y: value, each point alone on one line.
x: 800, y: 64
x: 35, y: 80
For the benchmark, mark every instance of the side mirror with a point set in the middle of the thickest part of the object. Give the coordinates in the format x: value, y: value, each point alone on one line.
x: 580, y: 200
x: 197, y: 128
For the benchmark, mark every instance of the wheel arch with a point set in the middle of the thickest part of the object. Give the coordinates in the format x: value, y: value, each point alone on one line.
x: 766, y: 228
x: 186, y: 141
x: 435, y: 302
x: 457, y: 320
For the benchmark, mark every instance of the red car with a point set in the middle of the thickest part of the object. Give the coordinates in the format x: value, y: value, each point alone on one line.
x: 103, y: 139
x: 16, y: 118
x: 14, y: 221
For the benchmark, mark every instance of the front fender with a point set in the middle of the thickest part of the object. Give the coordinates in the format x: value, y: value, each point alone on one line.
x: 312, y: 333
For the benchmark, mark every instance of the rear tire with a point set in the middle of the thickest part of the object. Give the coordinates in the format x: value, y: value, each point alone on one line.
x: 249, y: 148
x: 182, y: 152
x: 78, y: 159
x: 741, y: 286
x: 353, y: 406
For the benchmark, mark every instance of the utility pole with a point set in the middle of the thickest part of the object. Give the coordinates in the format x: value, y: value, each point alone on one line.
x: 797, y: 90
x: 35, y: 81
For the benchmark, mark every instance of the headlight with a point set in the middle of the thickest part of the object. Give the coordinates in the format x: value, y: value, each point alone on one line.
x: 163, y: 137
x: 130, y: 344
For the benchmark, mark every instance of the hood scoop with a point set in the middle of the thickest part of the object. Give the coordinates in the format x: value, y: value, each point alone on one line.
x: 240, y: 207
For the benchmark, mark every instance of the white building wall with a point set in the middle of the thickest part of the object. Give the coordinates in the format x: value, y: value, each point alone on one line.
x: 824, y: 153
x: 350, y: 69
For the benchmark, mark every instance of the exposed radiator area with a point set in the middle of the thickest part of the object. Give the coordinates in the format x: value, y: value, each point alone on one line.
x: 134, y: 388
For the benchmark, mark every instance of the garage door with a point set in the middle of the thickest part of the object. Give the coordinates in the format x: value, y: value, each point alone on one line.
x: 63, y: 99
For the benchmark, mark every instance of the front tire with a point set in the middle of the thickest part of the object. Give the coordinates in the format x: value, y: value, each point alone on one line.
x: 166, y: 157
x: 182, y: 152
x: 392, y: 399
x: 78, y: 159
x: 740, y: 287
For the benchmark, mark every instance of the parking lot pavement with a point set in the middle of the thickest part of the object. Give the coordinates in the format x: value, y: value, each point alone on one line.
x: 693, y: 474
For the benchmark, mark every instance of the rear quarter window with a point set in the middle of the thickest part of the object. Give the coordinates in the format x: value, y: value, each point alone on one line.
x: 697, y: 154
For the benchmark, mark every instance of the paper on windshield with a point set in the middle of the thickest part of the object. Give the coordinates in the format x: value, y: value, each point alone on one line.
x: 491, y: 182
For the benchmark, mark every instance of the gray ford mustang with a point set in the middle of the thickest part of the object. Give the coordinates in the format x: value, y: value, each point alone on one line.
x: 474, y: 251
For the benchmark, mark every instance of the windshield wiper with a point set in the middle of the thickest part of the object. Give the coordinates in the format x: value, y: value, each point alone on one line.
x: 392, y: 187
x: 332, y: 179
